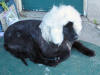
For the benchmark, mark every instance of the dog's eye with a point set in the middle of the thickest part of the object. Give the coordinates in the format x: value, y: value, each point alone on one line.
x: 69, y: 24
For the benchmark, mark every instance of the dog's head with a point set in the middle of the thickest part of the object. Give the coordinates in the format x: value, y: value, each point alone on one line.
x: 55, y: 21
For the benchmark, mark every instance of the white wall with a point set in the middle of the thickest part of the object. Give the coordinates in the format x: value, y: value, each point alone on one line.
x: 19, y: 5
x: 94, y: 10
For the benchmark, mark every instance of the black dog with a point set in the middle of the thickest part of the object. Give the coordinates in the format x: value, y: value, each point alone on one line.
x: 24, y: 40
x: 49, y: 41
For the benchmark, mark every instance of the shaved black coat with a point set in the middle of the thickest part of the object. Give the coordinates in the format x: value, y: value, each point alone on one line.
x: 24, y: 40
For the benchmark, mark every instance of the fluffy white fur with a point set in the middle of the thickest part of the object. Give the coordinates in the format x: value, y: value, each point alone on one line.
x: 53, y: 22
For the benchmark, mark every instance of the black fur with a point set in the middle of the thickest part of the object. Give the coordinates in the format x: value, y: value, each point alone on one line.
x: 81, y: 48
x: 23, y: 39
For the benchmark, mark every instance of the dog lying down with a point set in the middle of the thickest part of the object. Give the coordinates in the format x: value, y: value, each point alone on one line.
x: 49, y: 41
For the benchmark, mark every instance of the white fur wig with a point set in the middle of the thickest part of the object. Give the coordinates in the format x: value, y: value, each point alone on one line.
x: 53, y: 22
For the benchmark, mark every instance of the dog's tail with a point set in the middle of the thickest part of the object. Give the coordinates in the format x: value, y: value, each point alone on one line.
x: 84, y: 50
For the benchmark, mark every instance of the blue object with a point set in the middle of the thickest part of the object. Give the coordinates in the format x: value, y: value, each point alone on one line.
x: 1, y: 9
x: 9, y: 3
x: 0, y: 27
x: 45, y: 5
